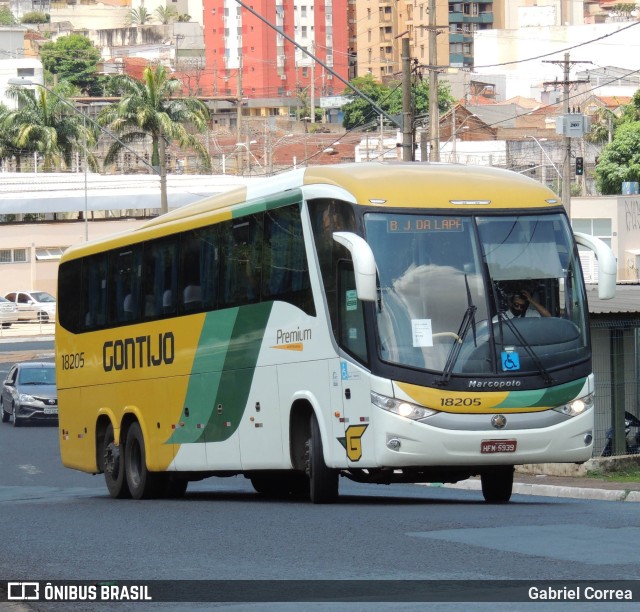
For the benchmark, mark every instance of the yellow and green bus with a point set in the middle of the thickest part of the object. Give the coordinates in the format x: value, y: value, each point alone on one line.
x: 355, y: 321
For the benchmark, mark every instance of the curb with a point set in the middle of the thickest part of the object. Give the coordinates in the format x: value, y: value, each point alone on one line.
x: 521, y: 488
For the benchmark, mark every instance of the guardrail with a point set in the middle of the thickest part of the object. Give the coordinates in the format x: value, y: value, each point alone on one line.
x: 27, y: 329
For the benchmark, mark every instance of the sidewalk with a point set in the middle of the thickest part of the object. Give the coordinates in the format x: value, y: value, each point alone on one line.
x: 26, y: 331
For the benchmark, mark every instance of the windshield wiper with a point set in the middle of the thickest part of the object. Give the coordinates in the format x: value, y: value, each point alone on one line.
x: 468, y: 322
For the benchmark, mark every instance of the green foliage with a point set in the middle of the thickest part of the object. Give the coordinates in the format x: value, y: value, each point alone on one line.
x: 35, y: 17
x: 619, y: 161
x: 138, y: 17
x: 72, y: 58
x: 184, y: 18
x: 149, y: 110
x: 165, y: 14
x: 359, y: 113
x: 47, y: 122
x: 6, y: 16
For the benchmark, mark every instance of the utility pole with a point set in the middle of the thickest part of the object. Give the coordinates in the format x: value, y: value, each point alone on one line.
x: 407, y: 105
x: 313, y: 87
x: 239, y: 116
x: 566, y: 164
x: 434, y: 118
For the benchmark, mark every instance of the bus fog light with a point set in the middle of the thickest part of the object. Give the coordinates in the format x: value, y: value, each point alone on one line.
x: 393, y: 444
x: 588, y: 438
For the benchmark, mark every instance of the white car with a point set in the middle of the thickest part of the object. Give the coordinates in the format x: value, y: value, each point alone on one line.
x: 8, y: 312
x: 33, y: 305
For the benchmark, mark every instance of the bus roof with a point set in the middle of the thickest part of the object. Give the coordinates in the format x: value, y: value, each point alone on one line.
x: 406, y: 184
x: 392, y: 184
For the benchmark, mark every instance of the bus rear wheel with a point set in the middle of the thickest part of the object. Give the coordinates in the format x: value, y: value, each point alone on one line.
x: 323, y: 481
x: 112, y: 466
x: 497, y: 484
x: 142, y: 483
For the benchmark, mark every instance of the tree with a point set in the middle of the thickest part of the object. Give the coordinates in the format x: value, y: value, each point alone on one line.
x: 148, y: 110
x: 138, y: 17
x: 72, y: 58
x: 165, y: 14
x: 359, y: 112
x: 602, y: 126
x: 35, y: 17
x: 46, y: 122
x: 6, y: 16
x: 619, y: 161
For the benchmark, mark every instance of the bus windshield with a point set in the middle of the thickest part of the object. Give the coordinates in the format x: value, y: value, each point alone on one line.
x: 478, y: 295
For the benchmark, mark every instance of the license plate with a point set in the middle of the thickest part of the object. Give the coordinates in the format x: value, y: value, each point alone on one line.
x: 51, y: 411
x: 498, y: 446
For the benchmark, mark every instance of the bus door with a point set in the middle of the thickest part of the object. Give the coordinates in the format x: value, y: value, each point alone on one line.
x: 354, y: 378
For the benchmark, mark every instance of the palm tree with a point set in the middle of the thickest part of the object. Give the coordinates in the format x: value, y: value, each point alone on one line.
x: 46, y: 121
x: 165, y: 14
x: 148, y: 110
x: 138, y: 17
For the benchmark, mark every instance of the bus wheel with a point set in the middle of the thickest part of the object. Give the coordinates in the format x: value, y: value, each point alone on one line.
x: 497, y: 484
x: 112, y: 466
x: 323, y: 482
x: 142, y: 483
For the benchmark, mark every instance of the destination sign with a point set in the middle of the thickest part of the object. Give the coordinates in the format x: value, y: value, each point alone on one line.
x: 411, y: 224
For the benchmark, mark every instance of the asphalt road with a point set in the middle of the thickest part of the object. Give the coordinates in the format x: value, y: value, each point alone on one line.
x: 60, y: 524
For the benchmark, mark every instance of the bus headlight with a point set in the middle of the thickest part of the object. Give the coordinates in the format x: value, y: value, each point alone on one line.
x: 401, y: 408
x: 577, y: 406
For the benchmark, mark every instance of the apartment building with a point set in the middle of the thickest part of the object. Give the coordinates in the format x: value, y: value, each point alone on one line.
x: 244, y: 53
x: 379, y: 26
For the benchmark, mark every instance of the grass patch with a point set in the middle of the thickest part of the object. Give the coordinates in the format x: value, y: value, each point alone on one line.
x: 628, y: 473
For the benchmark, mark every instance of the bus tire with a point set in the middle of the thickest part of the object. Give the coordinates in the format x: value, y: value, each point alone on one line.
x: 142, y: 483
x: 112, y: 466
x: 497, y: 484
x: 323, y: 481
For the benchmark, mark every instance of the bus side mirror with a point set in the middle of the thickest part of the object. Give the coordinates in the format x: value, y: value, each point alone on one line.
x: 364, y: 264
x: 607, y: 265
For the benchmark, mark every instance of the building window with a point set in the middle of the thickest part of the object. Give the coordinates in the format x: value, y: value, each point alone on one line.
x: 49, y: 253
x: 26, y: 72
x: 13, y: 256
x: 598, y: 227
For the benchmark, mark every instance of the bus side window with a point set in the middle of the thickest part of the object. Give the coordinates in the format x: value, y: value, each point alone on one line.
x: 160, y: 277
x: 285, y: 270
x: 69, y: 275
x: 94, y: 287
x: 241, y: 271
x: 125, y: 268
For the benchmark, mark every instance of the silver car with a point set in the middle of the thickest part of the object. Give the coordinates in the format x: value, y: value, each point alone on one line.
x: 33, y: 305
x: 8, y: 312
x: 29, y: 393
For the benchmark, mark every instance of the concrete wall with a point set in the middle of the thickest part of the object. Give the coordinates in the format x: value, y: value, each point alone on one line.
x: 43, y: 275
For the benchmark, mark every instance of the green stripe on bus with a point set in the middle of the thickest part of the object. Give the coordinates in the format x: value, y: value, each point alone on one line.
x: 294, y: 196
x: 221, y: 380
x: 555, y: 396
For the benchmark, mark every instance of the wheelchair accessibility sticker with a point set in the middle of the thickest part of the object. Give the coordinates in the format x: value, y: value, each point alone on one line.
x: 510, y: 360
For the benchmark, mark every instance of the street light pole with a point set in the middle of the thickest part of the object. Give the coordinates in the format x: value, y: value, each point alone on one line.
x: 86, y: 187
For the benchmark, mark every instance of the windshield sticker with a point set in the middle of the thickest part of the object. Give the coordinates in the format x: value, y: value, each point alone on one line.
x: 510, y: 360
x: 352, y: 299
x: 421, y: 331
